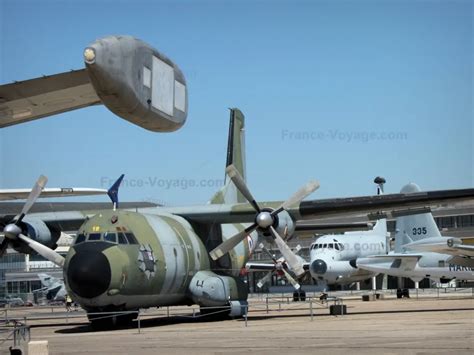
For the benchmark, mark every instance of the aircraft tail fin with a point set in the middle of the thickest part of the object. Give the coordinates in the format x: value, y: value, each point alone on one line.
x: 46, y: 280
x: 380, y: 227
x: 415, y: 227
x: 235, y: 156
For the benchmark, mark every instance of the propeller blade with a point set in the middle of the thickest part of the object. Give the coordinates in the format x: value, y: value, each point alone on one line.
x: 43, y: 250
x: 290, y: 278
x: 3, y: 246
x: 230, y: 243
x: 268, y: 253
x: 239, y: 182
x: 298, y: 196
x: 264, y: 279
x: 291, y: 259
x: 32, y: 197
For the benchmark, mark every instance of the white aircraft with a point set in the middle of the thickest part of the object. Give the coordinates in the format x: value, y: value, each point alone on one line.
x: 22, y: 194
x: 416, y: 265
x: 53, y: 287
x: 334, y: 258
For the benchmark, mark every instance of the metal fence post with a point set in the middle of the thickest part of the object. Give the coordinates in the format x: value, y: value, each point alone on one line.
x: 311, y: 307
x: 246, y: 314
x: 138, y: 318
x: 267, y: 304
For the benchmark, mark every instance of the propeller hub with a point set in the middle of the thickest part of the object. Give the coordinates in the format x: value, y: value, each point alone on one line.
x: 264, y: 219
x: 11, y: 231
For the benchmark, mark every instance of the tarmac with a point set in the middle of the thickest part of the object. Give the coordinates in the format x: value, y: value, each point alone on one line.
x: 429, y: 324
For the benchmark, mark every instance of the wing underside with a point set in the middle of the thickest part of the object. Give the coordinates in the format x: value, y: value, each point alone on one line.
x: 28, y: 100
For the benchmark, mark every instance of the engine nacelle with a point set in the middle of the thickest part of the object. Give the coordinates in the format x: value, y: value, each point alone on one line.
x: 37, y: 230
x: 209, y: 289
x: 137, y: 83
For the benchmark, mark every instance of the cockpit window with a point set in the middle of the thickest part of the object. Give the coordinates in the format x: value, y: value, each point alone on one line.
x: 331, y: 246
x: 80, y: 238
x: 110, y: 237
x: 325, y: 246
x: 94, y: 236
x: 336, y: 246
x: 122, y: 239
x: 341, y: 246
x: 131, y: 238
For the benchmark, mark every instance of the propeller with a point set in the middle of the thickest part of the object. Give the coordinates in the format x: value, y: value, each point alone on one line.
x: 13, y: 231
x: 264, y: 220
x: 280, y: 265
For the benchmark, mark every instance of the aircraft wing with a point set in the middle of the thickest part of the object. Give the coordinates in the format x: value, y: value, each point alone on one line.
x: 389, y: 264
x: 28, y: 100
x: 20, y: 194
x: 373, y: 207
x: 391, y: 204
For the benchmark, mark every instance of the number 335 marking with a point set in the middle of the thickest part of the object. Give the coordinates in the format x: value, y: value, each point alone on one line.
x: 419, y: 231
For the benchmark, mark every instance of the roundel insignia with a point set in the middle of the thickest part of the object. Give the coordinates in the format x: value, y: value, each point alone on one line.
x: 146, y: 260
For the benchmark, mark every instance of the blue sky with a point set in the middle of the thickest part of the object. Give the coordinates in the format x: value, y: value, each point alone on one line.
x: 338, y: 91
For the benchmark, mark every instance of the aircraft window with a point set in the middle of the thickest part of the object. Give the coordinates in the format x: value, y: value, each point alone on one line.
x: 341, y: 246
x: 122, y: 239
x: 131, y: 238
x: 110, y: 237
x: 331, y: 246
x: 80, y: 238
x: 94, y: 236
x: 336, y: 246
x: 320, y: 246
x: 325, y: 246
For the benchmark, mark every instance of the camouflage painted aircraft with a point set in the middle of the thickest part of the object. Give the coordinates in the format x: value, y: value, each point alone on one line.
x: 162, y: 256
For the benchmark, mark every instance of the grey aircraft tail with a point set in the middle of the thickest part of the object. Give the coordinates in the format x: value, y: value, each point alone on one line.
x: 235, y: 156
x: 414, y: 227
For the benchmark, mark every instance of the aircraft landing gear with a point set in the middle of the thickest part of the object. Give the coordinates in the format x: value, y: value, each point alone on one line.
x: 299, y: 296
x: 405, y: 292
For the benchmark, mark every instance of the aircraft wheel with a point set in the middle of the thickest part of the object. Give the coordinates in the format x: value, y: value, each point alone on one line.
x: 302, y: 296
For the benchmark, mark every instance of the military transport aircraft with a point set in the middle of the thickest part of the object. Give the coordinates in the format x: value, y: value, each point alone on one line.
x: 416, y: 265
x: 126, y: 260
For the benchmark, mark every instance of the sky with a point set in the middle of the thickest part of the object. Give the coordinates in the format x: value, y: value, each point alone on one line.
x: 337, y: 91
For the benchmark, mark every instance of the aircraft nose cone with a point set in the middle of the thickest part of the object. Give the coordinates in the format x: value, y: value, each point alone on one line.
x: 89, y: 274
x: 319, y: 267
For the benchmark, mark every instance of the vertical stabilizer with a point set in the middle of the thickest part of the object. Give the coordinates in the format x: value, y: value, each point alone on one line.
x: 414, y: 227
x: 380, y: 228
x: 235, y: 156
